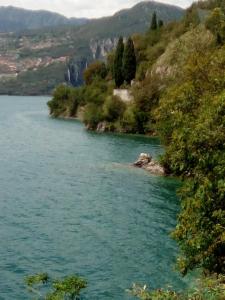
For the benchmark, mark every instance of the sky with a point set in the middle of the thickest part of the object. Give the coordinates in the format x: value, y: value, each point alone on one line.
x: 83, y: 8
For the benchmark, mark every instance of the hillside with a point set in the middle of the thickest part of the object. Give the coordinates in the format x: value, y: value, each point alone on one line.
x: 179, y: 95
x: 35, y: 61
x: 17, y: 19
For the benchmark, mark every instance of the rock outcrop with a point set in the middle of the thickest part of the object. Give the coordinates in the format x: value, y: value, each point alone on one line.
x: 146, y: 162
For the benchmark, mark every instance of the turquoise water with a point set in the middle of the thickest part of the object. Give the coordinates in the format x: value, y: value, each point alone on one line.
x: 70, y: 203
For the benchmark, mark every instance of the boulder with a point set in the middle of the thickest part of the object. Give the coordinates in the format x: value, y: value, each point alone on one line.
x: 146, y: 162
x: 143, y: 160
x: 155, y: 168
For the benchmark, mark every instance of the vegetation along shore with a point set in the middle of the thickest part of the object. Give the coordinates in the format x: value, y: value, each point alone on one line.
x: 175, y: 75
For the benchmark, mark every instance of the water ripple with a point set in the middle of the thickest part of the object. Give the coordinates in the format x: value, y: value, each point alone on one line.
x: 71, y: 203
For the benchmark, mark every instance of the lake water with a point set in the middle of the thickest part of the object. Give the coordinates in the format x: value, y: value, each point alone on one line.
x: 71, y: 203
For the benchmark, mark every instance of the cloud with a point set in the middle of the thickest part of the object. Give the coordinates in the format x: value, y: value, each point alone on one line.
x: 83, y: 8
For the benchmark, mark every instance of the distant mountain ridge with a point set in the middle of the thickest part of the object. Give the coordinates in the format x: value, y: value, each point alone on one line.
x: 36, y: 61
x: 15, y: 19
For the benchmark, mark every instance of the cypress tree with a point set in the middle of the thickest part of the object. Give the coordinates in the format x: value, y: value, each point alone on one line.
x: 129, y: 61
x: 154, y: 24
x: 160, y: 23
x: 118, y: 63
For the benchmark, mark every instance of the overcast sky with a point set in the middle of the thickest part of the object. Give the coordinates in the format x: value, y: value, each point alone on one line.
x: 83, y: 8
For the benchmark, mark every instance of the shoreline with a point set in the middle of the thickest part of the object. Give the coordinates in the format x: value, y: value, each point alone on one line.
x: 140, y: 135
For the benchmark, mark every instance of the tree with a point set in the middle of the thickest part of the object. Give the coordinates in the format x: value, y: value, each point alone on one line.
x: 160, y: 23
x: 95, y: 70
x: 129, y: 61
x: 118, y: 63
x: 216, y: 24
x: 154, y: 25
x: 191, y: 17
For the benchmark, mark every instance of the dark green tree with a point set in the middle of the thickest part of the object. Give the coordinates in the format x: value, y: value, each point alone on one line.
x: 160, y: 23
x: 118, y: 63
x: 129, y: 61
x: 154, y: 24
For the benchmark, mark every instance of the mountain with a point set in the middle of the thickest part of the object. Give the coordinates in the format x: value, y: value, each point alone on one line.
x: 35, y: 61
x: 134, y: 20
x: 16, y: 19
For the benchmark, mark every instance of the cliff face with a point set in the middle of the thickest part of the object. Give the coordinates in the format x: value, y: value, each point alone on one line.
x: 98, y: 50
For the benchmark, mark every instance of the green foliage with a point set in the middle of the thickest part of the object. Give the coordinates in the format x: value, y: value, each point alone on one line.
x: 216, y: 24
x: 67, y: 288
x: 160, y: 23
x: 191, y: 17
x: 191, y: 121
x: 208, y: 288
x: 65, y: 101
x: 58, y: 104
x: 154, y: 22
x: 41, y: 278
x: 129, y: 122
x: 93, y: 115
x: 118, y: 63
x: 34, y: 82
x: 146, y: 98
x: 96, y: 70
x: 129, y: 61
x: 180, y: 94
x: 113, y: 108
x: 110, y: 65
x: 68, y: 41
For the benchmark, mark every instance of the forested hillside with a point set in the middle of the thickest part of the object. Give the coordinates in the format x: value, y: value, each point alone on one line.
x: 179, y: 95
x: 35, y: 61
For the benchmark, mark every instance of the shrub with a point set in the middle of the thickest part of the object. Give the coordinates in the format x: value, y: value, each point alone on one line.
x: 65, y: 101
x: 93, y: 115
x: 129, y: 122
x: 113, y: 108
x: 96, y: 70
x: 208, y: 288
x: 48, y: 288
x: 191, y: 121
x: 59, y: 102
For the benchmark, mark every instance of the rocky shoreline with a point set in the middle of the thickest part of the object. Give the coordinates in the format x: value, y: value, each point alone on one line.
x: 146, y: 162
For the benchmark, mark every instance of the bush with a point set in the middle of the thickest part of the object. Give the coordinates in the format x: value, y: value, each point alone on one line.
x: 93, y: 115
x: 48, y: 288
x: 65, y: 101
x: 113, y: 108
x: 208, y: 288
x: 191, y: 121
x: 96, y: 70
x: 129, y: 122
x: 61, y: 97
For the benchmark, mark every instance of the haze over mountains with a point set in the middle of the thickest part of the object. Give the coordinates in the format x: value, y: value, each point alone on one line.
x: 16, y: 19
x: 35, y: 61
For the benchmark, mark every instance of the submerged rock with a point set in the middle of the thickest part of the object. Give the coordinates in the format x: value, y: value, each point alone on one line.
x: 145, y: 161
